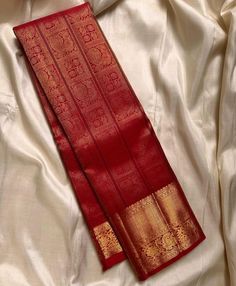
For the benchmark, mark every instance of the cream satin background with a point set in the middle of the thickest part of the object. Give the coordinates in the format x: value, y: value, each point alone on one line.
x: 180, y: 59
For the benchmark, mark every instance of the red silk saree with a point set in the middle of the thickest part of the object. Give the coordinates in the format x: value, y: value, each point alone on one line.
x: 131, y: 199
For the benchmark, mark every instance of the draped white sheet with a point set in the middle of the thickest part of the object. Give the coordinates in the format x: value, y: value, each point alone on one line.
x: 180, y: 58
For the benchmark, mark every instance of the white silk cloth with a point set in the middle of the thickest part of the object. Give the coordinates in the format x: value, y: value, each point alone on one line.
x: 180, y: 58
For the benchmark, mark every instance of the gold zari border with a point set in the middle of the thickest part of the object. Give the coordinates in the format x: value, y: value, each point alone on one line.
x: 158, y: 228
x: 107, y: 240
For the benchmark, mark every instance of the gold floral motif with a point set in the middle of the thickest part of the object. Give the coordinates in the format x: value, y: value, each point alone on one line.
x: 107, y: 240
x: 158, y: 228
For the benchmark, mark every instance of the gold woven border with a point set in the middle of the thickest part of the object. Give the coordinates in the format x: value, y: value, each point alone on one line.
x: 158, y: 227
x: 107, y: 240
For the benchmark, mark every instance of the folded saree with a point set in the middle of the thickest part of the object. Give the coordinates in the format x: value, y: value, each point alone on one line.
x: 131, y: 199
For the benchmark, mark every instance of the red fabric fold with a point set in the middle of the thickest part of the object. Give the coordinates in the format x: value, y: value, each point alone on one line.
x: 92, y: 211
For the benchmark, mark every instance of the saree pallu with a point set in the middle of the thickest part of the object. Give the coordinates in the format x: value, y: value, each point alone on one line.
x: 123, y: 170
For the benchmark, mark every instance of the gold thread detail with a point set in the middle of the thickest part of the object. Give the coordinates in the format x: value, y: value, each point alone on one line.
x: 107, y: 240
x: 158, y: 227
